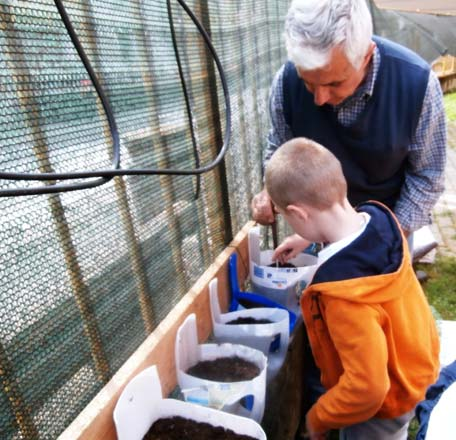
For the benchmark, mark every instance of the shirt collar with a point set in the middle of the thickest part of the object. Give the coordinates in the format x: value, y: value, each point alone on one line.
x: 366, y: 88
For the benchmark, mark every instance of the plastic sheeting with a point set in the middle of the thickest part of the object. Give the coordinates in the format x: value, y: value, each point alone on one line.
x: 428, y: 35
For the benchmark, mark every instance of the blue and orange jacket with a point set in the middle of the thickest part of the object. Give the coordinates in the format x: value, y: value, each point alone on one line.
x: 370, y: 328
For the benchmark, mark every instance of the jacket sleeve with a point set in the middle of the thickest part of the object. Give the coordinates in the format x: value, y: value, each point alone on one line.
x: 357, y: 334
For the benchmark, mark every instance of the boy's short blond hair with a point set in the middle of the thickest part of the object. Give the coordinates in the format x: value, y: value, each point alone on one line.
x: 303, y: 171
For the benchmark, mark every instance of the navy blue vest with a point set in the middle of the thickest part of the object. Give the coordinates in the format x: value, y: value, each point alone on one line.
x: 373, y: 150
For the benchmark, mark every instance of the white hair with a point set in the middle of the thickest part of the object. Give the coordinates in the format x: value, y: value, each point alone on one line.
x: 313, y: 28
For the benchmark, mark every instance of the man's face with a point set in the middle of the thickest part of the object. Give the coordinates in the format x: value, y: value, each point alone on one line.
x: 302, y: 224
x: 336, y: 81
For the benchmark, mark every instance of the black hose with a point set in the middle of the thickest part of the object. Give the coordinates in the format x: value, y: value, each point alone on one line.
x: 108, y: 174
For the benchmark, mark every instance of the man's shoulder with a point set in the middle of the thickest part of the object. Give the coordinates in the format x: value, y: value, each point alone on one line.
x: 287, y: 72
x: 278, y: 77
x: 394, y: 51
x: 290, y: 78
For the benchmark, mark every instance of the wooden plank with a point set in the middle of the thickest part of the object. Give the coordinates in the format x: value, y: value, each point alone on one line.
x: 439, y: 7
x: 448, y: 83
x: 95, y: 422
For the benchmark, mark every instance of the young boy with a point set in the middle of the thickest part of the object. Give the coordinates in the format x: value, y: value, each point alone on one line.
x: 369, y: 324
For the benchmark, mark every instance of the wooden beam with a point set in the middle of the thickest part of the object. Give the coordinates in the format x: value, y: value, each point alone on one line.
x: 95, y: 422
x: 448, y: 82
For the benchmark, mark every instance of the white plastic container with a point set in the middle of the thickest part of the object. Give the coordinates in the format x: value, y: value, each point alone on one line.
x: 258, y: 336
x: 447, y: 332
x: 441, y: 421
x: 226, y: 396
x: 282, y: 285
x: 141, y: 404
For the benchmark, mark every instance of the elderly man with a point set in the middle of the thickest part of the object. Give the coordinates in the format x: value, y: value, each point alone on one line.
x: 375, y: 104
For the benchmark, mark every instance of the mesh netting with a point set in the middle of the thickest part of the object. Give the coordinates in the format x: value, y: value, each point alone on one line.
x: 87, y: 275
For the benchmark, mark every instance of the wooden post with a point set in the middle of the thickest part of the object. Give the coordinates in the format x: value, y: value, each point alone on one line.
x: 215, y: 119
x: 134, y: 250
x: 31, y: 109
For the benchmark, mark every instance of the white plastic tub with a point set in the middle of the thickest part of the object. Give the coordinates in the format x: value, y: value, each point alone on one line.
x: 282, y: 285
x: 258, y: 336
x: 226, y: 396
x: 141, y: 404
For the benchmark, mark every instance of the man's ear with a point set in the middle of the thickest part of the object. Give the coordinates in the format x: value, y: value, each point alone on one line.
x: 298, y: 211
x: 369, y: 53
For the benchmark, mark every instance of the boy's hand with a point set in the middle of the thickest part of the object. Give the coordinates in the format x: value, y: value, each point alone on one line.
x: 289, y: 248
x: 262, y: 210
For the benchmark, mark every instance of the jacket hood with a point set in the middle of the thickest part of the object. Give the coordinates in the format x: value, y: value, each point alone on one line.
x: 361, y: 271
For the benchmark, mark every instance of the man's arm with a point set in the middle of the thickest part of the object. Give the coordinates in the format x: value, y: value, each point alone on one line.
x: 424, y: 176
x: 279, y: 132
x: 262, y: 210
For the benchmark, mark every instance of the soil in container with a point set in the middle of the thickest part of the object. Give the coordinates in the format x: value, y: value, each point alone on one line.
x: 225, y: 369
x: 248, y: 320
x: 180, y: 428
x: 281, y: 265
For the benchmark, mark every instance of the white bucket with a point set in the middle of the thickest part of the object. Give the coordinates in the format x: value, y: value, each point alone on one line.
x: 226, y: 396
x: 280, y: 284
x: 447, y: 332
x: 258, y: 336
x: 141, y: 404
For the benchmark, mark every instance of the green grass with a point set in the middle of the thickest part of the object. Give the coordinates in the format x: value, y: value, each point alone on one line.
x: 446, y: 213
x: 413, y: 429
x: 449, y: 101
x: 440, y: 288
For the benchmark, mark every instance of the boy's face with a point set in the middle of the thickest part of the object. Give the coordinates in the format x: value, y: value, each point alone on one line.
x: 301, y: 221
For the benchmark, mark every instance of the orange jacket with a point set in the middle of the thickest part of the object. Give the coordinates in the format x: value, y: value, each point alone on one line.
x: 373, y: 337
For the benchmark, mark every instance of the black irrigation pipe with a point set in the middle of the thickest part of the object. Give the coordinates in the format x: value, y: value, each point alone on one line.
x: 104, y: 175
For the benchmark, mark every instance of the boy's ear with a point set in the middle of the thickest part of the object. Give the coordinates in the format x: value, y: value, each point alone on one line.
x: 298, y: 211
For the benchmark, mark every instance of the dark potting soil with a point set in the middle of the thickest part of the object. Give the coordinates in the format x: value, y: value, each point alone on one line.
x: 226, y: 369
x: 180, y: 428
x: 281, y: 265
x: 248, y: 320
